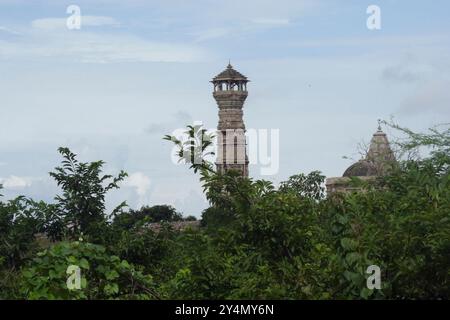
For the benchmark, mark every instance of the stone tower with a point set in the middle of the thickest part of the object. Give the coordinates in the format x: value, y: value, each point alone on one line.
x: 230, y: 92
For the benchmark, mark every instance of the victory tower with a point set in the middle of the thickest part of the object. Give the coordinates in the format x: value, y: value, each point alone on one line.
x: 230, y: 92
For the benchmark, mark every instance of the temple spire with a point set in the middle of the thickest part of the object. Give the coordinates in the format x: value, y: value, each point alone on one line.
x: 380, y: 153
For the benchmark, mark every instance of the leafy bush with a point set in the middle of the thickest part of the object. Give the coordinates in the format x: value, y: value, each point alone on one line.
x: 147, y: 214
x: 102, y: 276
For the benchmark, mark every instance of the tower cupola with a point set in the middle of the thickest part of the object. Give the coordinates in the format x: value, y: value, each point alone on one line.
x: 230, y: 80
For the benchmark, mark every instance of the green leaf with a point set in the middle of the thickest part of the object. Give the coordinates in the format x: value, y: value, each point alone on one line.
x: 349, y: 244
x: 111, y: 289
x: 83, y: 263
x: 112, y: 275
x: 352, y: 257
x: 83, y: 282
x: 125, y: 264
x: 366, y: 293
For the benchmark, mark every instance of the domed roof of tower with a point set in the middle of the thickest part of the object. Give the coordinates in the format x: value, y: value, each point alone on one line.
x: 378, y: 160
x: 362, y: 168
x: 230, y: 74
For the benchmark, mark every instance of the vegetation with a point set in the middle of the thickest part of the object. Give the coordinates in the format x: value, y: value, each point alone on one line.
x: 257, y: 241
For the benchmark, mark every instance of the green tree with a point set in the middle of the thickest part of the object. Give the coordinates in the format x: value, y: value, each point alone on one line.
x: 21, y: 221
x: 310, y: 185
x: 81, y: 207
x: 158, y: 213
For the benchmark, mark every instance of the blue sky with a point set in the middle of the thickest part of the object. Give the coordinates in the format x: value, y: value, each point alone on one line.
x: 137, y: 70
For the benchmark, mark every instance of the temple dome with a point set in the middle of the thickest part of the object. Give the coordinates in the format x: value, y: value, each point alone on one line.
x: 362, y: 168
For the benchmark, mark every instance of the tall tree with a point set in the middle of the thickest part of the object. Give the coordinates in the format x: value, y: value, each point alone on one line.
x: 81, y: 207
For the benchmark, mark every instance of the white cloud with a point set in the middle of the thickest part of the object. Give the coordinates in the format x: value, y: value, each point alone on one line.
x: 210, y: 34
x: 60, y: 23
x: 271, y: 21
x: 410, y: 69
x: 433, y: 97
x: 9, y: 31
x: 50, y: 38
x: 163, y: 127
x: 400, y: 73
x: 235, y: 10
x: 382, y: 42
x: 81, y: 46
x: 181, y: 194
x: 245, y: 26
x: 14, y: 182
x: 139, y: 181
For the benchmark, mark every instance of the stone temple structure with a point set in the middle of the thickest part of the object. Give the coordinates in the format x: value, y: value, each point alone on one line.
x: 230, y: 92
x: 378, y: 160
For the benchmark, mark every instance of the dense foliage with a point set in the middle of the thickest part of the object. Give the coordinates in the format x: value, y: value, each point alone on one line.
x: 256, y: 240
x: 103, y: 276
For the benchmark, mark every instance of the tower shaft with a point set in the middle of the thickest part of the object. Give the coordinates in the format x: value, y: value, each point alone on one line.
x: 230, y: 92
